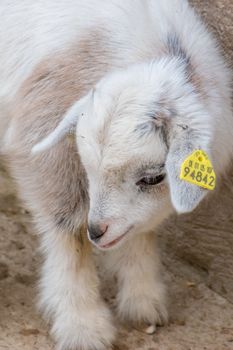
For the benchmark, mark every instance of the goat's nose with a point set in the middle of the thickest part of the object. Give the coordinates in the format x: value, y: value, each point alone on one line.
x: 97, y: 231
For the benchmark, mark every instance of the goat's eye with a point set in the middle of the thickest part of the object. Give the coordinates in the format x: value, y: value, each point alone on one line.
x: 151, y: 180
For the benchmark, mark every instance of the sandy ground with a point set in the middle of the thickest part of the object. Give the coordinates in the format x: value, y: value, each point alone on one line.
x: 200, y: 318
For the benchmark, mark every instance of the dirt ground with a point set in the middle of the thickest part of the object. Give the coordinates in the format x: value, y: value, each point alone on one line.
x: 200, y: 318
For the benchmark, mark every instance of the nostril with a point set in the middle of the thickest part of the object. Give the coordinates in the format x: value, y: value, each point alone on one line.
x: 97, y: 231
x: 103, y: 228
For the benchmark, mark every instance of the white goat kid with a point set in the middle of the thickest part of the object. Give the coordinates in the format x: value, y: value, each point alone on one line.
x: 142, y: 85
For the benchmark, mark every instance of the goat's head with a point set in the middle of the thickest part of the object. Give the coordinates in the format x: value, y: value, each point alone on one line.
x: 133, y: 132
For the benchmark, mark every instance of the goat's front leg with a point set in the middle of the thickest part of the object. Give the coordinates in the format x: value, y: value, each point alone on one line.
x: 70, y: 294
x: 141, y: 296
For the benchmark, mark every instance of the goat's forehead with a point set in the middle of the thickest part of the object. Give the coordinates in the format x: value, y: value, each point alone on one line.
x: 129, y: 128
x: 118, y: 147
x: 115, y: 133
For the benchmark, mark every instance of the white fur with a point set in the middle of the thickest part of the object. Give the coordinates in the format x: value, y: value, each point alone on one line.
x: 120, y: 142
x: 70, y: 296
x: 141, y: 293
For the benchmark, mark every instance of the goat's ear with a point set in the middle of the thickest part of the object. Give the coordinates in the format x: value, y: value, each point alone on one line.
x: 185, y: 196
x: 67, y: 125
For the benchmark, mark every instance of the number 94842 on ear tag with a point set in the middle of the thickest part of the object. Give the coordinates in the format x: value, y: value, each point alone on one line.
x: 198, y: 170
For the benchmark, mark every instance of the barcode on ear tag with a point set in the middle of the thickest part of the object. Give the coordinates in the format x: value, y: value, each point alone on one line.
x: 198, y: 170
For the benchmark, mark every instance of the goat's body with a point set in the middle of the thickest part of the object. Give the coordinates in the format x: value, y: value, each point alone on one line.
x: 128, y: 32
x: 51, y: 54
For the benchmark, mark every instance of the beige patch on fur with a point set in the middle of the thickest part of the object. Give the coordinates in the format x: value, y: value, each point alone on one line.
x: 54, y: 184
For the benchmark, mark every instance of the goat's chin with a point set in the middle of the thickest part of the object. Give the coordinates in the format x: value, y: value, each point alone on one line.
x: 111, y: 244
x: 150, y: 225
x: 115, y: 244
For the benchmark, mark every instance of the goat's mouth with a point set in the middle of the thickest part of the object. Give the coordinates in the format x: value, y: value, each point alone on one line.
x: 115, y: 241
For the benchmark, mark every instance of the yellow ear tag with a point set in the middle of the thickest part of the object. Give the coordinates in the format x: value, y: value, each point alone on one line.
x: 198, y: 170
